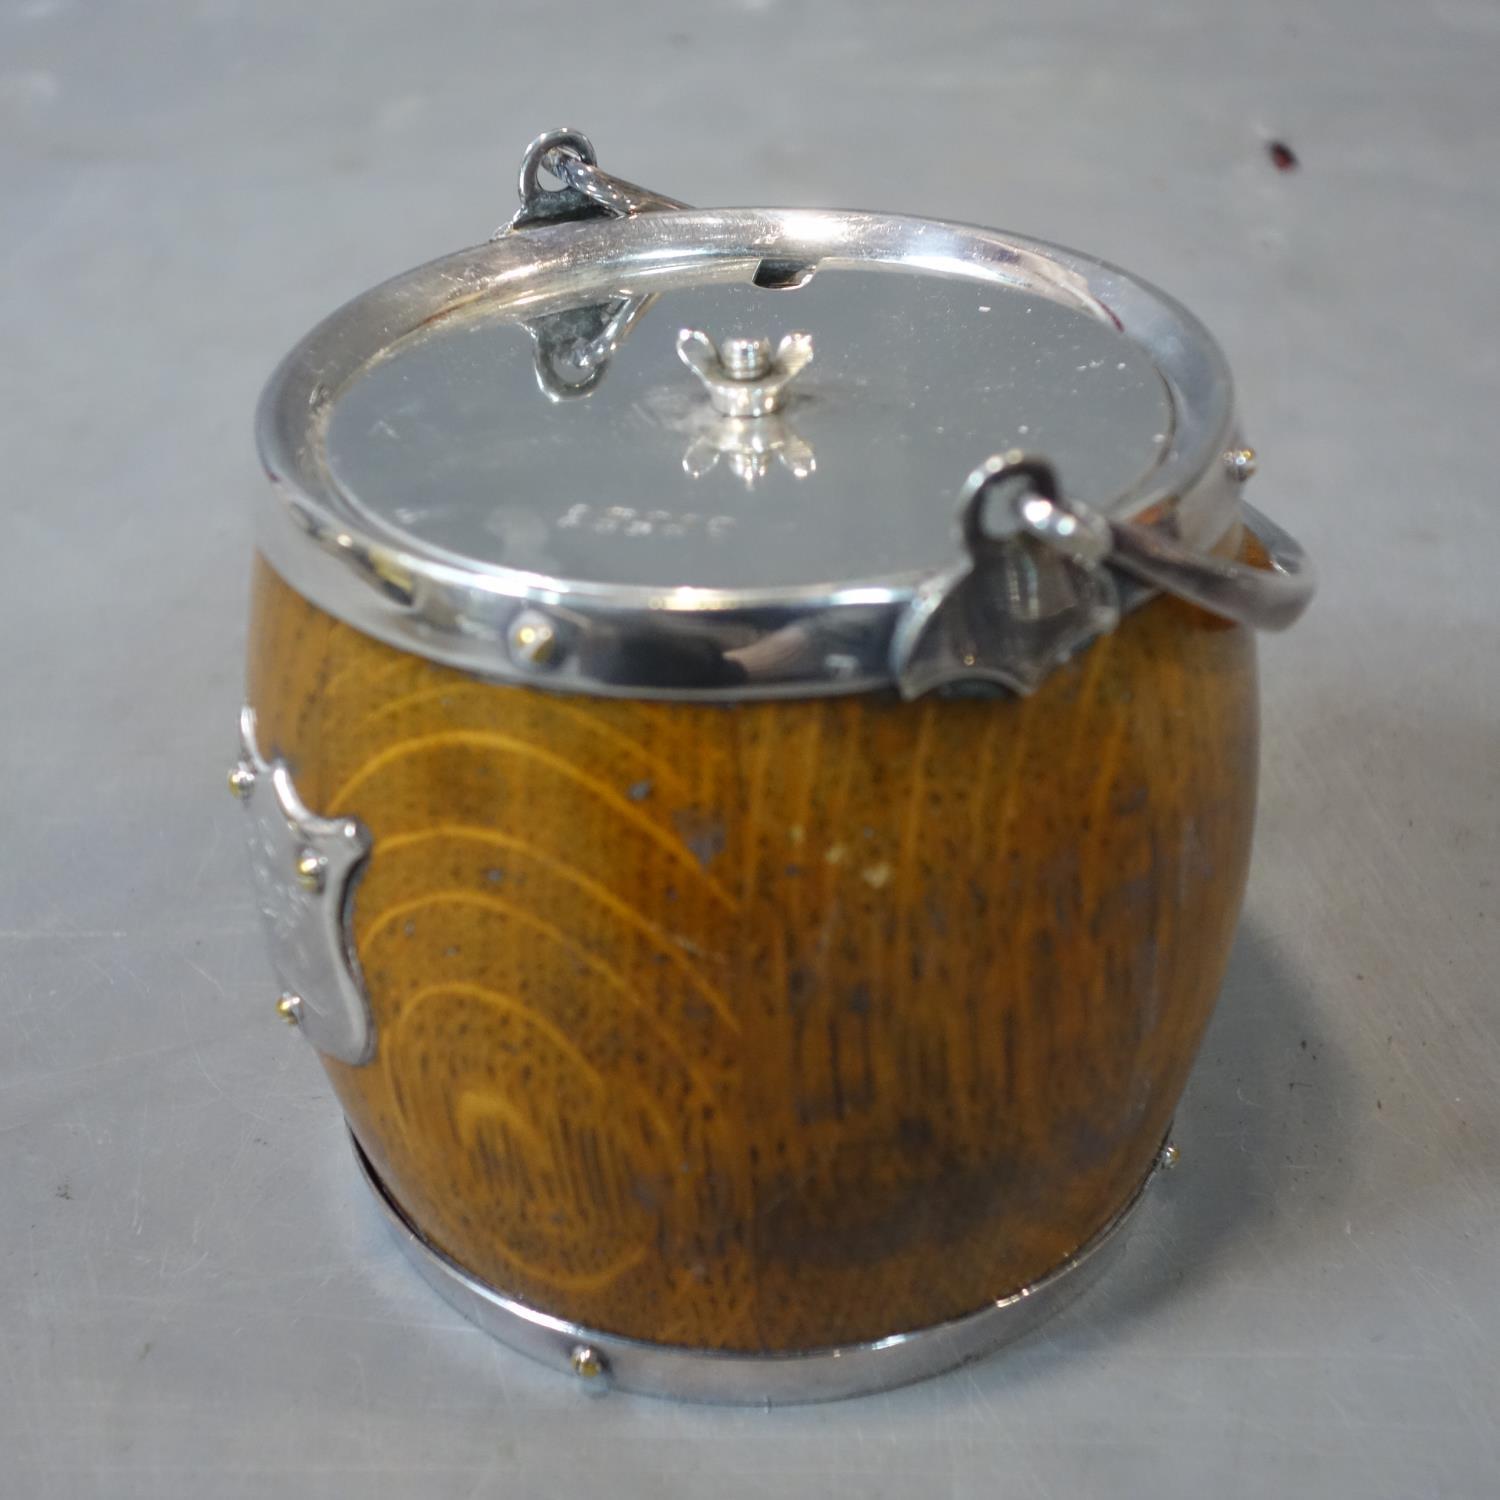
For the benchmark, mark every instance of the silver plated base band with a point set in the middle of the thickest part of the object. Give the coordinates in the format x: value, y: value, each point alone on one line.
x: 603, y: 1360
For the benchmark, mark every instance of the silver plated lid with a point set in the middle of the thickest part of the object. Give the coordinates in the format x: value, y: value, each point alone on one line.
x: 631, y: 448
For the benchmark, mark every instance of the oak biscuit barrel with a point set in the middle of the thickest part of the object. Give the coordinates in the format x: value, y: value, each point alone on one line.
x: 756, y: 870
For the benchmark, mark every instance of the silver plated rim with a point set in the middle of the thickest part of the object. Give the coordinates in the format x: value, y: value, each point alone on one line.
x: 819, y: 639
x: 603, y: 1361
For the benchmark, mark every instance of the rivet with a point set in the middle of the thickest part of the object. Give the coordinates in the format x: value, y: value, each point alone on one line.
x: 289, y: 1008
x: 242, y: 780
x: 1167, y: 1157
x: 534, y: 640
x: 587, y: 1364
x: 1241, y: 463
x: 311, y: 869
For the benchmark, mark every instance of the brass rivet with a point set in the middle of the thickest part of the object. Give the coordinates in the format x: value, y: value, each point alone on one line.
x: 310, y: 870
x: 289, y: 1008
x: 1241, y: 463
x: 587, y: 1364
x: 241, y: 780
x: 1167, y: 1157
x: 534, y: 641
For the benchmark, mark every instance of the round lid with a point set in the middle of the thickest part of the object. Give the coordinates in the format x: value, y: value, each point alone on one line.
x: 736, y: 452
x: 449, y: 446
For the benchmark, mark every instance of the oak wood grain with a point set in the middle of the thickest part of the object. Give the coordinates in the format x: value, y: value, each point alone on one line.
x: 774, y: 1025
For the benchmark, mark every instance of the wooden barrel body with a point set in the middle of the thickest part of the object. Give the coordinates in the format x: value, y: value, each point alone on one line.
x: 784, y: 1024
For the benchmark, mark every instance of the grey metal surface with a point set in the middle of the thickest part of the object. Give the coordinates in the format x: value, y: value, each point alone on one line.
x: 195, y: 1297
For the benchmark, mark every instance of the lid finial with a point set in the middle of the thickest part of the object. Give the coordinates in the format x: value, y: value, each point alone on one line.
x: 742, y: 376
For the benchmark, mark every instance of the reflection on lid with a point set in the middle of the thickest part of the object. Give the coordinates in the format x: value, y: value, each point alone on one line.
x: 748, y: 445
x: 573, y: 348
